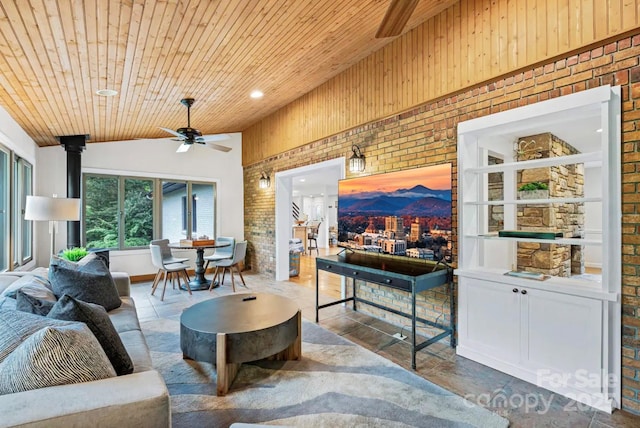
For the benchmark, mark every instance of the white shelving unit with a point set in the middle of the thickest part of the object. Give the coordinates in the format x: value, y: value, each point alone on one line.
x: 562, y: 333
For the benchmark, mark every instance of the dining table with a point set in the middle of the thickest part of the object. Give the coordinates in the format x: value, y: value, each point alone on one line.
x: 198, y: 282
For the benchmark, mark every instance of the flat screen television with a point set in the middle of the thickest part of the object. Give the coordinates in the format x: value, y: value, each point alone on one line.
x: 402, y: 213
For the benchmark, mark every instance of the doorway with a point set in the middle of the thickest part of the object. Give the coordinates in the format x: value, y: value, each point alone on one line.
x: 316, y: 193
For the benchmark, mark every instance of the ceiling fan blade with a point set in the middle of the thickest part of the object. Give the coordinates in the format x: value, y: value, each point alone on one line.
x: 183, y: 148
x: 396, y: 18
x: 214, y: 137
x: 172, y: 132
x: 219, y: 147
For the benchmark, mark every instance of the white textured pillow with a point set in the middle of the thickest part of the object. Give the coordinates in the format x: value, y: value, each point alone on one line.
x: 16, y: 326
x: 55, y: 356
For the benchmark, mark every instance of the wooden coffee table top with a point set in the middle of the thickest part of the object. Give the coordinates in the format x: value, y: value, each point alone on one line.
x: 232, y: 314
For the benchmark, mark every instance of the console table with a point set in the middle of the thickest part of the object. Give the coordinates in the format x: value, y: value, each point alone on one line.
x: 406, y: 275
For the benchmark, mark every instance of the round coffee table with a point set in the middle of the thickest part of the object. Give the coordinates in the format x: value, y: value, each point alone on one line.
x: 230, y: 330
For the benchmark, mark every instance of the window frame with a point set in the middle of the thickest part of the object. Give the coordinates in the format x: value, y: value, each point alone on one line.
x: 157, y: 204
x: 19, y: 232
x: 24, y: 228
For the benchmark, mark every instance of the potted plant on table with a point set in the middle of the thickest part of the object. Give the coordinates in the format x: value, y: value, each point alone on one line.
x: 74, y: 254
x: 535, y: 190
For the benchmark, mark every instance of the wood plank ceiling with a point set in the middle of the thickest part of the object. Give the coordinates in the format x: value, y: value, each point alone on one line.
x: 55, y: 54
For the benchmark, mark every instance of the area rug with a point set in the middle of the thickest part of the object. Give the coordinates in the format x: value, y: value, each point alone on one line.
x: 336, y: 384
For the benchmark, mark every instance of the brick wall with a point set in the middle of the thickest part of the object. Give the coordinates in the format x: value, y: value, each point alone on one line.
x: 426, y: 135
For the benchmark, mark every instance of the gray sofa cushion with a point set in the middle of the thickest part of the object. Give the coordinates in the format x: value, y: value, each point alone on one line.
x: 25, y: 302
x: 138, y: 350
x: 37, y: 286
x: 16, y: 326
x: 96, y: 318
x: 54, y: 356
x: 90, y: 282
x: 125, y: 318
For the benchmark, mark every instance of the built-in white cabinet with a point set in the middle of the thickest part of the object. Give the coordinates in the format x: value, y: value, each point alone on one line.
x: 557, y: 323
x: 536, y: 335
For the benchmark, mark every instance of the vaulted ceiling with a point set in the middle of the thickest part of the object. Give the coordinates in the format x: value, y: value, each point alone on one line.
x: 55, y: 55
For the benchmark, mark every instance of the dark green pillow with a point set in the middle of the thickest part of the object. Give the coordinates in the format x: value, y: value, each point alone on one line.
x: 90, y: 282
x: 26, y: 302
x: 95, y: 317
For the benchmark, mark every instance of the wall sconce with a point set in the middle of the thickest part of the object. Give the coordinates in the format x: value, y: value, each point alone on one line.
x: 264, y: 181
x: 356, y: 161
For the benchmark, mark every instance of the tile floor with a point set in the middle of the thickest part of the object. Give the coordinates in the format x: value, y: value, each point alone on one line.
x: 525, y: 406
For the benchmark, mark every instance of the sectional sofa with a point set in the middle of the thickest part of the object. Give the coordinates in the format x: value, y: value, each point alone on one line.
x: 139, y: 399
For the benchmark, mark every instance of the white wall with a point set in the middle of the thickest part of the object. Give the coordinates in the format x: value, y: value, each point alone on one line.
x: 150, y: 158
x: 332, y: 211
x: 14, y: 137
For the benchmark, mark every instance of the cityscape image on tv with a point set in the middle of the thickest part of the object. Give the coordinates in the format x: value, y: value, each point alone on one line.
x: 403, y: 213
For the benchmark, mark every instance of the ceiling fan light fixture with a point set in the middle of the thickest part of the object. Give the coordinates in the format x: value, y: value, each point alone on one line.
x: 106, y: 92
x: 190, y: 136
x: 183, y: 148
x: 256, y: 94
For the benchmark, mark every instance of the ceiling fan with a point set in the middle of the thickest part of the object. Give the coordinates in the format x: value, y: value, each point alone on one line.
x: 190, y: 135
x: 396, y: 18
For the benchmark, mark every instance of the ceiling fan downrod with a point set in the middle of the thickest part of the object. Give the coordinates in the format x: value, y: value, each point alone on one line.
x: 188, y: 102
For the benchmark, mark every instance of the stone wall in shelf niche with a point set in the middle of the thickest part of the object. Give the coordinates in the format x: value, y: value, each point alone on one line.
x: 564, y: 181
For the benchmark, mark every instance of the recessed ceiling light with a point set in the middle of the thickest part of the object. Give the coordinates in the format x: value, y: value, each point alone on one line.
x: 257, y: 94
x: 302, y: 180
x: 106, y: 92
x: 599, y: 130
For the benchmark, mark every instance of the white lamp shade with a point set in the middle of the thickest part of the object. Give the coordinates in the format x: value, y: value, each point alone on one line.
x: 43, y: 208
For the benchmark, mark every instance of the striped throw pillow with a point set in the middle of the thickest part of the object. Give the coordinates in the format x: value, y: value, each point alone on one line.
x: 55, y: 356
x: 16, y: 326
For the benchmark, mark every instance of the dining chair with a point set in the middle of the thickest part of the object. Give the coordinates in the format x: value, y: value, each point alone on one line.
x: 223, y: 252
x: 239, y: 253
x: 313, y: 236
x: 167, y: 256
x: 175, y: 271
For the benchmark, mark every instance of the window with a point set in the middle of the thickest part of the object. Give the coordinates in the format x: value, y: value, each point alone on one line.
x: 5, y: 223
x: 101, y: 212
x: 24, y: 245
x: 138, y: 212
x: 16, y: 233
x: 176, y: 212
x: 123, y: 212
x: 185, y: 214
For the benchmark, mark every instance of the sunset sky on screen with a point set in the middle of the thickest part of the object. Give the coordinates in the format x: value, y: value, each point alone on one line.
x: 436, y: 177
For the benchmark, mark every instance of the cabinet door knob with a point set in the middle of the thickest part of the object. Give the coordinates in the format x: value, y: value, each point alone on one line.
x: 524, y: 291
x: 515, y: 290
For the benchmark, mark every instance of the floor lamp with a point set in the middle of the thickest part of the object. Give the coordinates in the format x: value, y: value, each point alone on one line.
x: 53, y: 210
